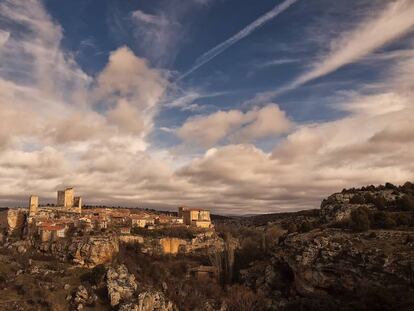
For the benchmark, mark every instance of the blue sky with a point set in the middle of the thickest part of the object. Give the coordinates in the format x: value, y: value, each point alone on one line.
x: 284, y: 87
x: 266, y: 60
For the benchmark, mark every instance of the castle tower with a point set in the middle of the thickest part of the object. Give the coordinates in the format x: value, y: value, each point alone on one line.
x: 181, y: 210
x: 65, y: 198
x: 78, y: 204
x: 33, y: 205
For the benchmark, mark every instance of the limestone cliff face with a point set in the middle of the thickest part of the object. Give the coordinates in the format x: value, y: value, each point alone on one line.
x: 330, y: 260
x: 121, y: 284
x: 13, y: 220
x: 87, y: 251
x: 207, y: 241
x: 172, y: 245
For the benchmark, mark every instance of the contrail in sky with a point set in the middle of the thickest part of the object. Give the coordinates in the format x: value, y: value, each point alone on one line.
x: 218, y: 49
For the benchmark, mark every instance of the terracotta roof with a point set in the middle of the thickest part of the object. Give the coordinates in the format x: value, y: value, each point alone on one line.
x: 52, y: 227
x: 137, y: 216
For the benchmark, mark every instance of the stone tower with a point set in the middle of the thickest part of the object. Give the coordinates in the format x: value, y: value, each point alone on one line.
x: 33, y: 205
x: 65, y: 198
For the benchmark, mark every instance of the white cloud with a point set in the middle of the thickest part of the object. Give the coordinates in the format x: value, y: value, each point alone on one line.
x: 394, y: 21
x: 208, y: 130
x: 127, y: 118
x: 128, y: 83
x: 269, y: 121
x: 313, y: 161
x: 140, y: 16
x: 4, y: 36
x: 157, y: 35
x: 61, y: 127
x: 235, y: 125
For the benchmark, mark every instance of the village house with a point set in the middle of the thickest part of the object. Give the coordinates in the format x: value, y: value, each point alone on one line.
x: 195, y: 217
x: 50, y: 223
x: 51, y: 232
x: 139, y: 221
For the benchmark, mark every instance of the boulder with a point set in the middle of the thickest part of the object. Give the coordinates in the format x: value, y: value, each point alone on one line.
x: 121, y: 284
x: 149, y: 301
x: 81, y: 295
x: 94, y: 250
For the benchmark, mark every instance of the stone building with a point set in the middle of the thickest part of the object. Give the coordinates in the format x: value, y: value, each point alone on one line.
x: 52, y: 232
x: 195, y: 217
x: 66, y: 199
x: 33, y: 205
x: 77, y: 202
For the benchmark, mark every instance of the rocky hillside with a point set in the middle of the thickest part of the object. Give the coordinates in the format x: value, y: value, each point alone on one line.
x: 354, y: 253
x: 339, y: 264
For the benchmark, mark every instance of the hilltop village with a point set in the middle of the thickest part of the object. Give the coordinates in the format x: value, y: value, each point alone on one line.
x: 44, y: 226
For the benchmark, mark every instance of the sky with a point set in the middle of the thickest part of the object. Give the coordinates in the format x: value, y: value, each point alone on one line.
x: 237, y: 106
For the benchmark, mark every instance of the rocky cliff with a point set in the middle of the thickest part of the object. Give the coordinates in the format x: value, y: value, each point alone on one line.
x: 86, y: 251
x: 206, y: 241
x: 325, y: 261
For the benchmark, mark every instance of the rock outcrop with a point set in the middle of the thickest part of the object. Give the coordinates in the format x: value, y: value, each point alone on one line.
x: 85, y: 251
x: 324, y: 261
x: 82, y: 297
x: 94, y: 250
x: 149, y: 301
x: 206, y: 241
x: 121, y: 284
x: 13, y: 220
x: 338, y: 207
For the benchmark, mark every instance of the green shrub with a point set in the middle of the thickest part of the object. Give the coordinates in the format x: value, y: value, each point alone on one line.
x: 383, y: 220
x: 241, y: 298
x: 390, y: 186
x: 380, y: 202
x: 292, y: 228
x: 176, y: 232
x: 402, y: 219
x: 94, y: 276
x: 360, y: 220
x: 369, y: 198
x: 406, y: 203
x: 306, y: 226
x: 357, y: 199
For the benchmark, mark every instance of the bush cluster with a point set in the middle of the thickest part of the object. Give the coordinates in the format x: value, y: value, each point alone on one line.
x: 363, y: 219
x: 175, y: 232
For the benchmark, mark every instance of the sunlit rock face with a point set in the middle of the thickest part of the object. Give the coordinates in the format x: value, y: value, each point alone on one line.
x: 171, y: 245
x: 12, y: 220
x: 207, y: 242
x: 84, y: 251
